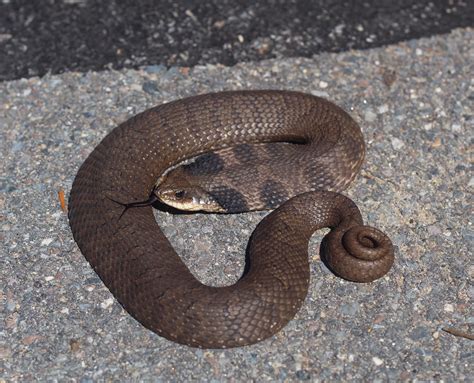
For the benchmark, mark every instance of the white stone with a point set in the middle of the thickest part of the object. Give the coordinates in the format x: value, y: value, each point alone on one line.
x: 319, y: 93
x: 428, y: 126
x: 397, y: 144
x: 377, y: 361
x: 338, y: 29
x: 456, y: 128
x: 46, y: 241
x: 369, y: 116
x: 107, y: 303
x: 449, y: 308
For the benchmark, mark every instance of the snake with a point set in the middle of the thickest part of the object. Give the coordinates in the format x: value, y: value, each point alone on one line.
x: 225, y: 152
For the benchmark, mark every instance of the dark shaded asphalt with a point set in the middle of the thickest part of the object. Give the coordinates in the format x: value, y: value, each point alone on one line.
x: 37, y: 37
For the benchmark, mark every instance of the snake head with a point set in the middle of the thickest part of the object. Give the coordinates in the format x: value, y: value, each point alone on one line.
x: 188, y: 199
x: 183, y: 194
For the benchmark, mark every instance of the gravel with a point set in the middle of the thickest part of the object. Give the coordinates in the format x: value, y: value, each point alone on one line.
x: 414, y: 101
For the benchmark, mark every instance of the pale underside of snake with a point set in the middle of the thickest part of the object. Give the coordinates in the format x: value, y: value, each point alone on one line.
x: 260, y: 150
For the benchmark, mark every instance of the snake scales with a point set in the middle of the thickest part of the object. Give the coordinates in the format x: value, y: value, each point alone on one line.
x: 139, y: 266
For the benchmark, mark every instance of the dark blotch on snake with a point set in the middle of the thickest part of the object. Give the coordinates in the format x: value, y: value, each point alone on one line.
x: 208, y: 163
x: 245, y: 153
x: 273, y: 193
x: 230, y: 199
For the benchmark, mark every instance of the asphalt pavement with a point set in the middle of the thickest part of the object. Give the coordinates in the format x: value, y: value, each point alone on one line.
x: 38, y: 37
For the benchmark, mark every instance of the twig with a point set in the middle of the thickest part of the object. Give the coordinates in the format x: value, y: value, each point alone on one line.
x: 457, y: 332
x: 62, y: 200
x: 370, y: 176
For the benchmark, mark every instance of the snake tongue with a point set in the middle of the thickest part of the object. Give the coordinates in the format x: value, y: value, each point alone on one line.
x: 150, y: 201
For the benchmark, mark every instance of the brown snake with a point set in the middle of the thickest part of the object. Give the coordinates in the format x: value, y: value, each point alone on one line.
x: 139, y: 266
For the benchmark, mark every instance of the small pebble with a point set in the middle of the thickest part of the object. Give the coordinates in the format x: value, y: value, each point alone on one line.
x: 303, y: 375
x: 419, y: 333
x: 456, y: 128
x: 377, y: 361
x: 46, y: 241
x: 107, y: 303
x: 436, y: 143
x: 350, y: 308
x: 156, y: 69
x: 323, y: 84
x: 150, y: 87
x: 370, y: 116
x: 449, y: 308
x: 397, y: 144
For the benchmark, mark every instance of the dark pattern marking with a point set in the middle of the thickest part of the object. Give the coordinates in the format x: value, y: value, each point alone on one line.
x: 245, y: 153
x: 230, y: 199
x: 273, y: 193
x: 208, y: 163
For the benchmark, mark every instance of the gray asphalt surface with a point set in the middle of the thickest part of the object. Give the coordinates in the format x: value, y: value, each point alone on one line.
x: 39, y: 37
x: 414, y: 101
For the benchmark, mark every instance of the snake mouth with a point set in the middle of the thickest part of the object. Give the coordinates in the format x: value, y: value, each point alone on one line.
x: 188, y: 199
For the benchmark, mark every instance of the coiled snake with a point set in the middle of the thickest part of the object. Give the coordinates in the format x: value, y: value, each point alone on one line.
x: 317, y: 147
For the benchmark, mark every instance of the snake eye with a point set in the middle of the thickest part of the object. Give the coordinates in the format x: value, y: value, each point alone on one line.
x: 179, y: 194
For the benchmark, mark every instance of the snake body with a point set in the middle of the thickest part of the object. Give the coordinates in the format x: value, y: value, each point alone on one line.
x: 139, y: 266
